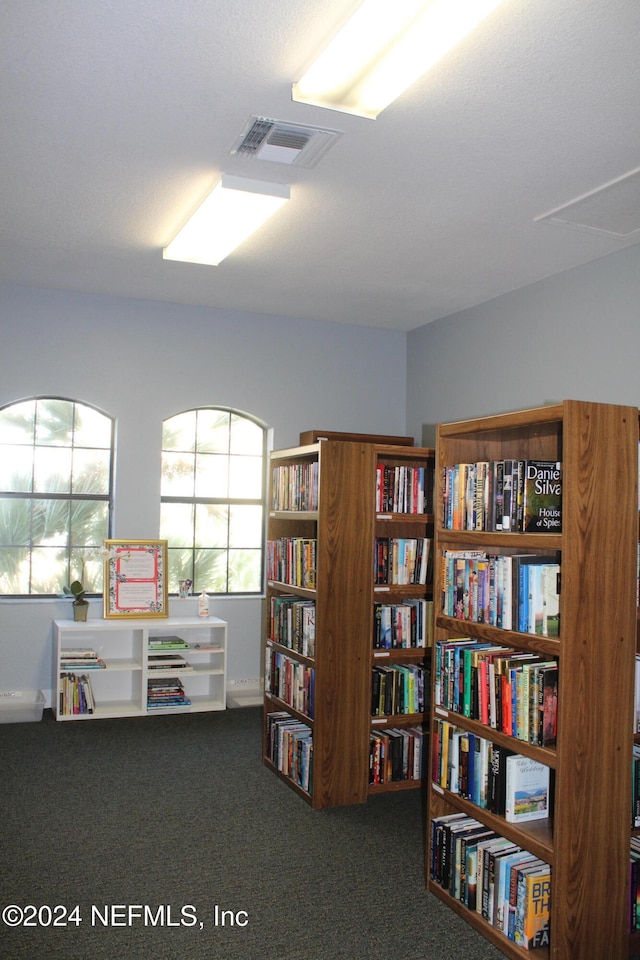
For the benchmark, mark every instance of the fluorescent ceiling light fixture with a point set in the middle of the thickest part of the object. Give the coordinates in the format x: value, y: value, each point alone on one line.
x: 383, y: 49
x: 234, y: 209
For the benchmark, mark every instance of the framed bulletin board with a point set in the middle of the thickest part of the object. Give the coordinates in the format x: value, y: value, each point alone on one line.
x: 135, y: 578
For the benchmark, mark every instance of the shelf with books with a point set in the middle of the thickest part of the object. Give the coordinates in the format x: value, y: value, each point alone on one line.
x: 403, y: 613
x: 151, y: 666
x: 199, y: 652
x: 586, y: 841
x: 507, y: 689
x: 343, y: 525
x: 330, y: 646
x: 500, y: 884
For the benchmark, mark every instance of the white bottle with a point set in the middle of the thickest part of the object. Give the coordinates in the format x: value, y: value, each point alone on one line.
x: 203, y: 605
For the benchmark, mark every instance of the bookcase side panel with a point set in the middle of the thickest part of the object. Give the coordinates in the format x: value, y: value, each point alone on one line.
x: 595, y: 702
x: 343, y: 624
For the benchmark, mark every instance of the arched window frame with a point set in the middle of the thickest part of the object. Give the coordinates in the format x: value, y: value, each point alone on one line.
x: 53, y: 551
x: 191, y: 557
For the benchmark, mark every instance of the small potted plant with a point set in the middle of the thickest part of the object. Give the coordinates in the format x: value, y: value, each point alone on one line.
x: 80, y: 605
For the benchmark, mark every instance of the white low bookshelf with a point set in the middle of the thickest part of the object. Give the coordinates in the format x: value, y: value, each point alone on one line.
x: 110, y: 668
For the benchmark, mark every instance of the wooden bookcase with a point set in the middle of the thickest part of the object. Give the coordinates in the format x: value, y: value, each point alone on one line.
x: 344, y: 525
x: 634, y: 942
x: 587, y: 839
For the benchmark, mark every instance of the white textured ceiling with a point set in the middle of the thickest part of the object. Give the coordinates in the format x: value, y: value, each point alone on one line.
x: 118, y: 115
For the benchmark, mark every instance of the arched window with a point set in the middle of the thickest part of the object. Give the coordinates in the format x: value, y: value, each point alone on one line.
x: 212, y: 500
x: 56, y: 492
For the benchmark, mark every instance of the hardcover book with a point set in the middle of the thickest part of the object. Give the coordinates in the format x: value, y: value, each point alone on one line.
x: 526, y: 789
x: 542, y: 497
x: 534, y: 908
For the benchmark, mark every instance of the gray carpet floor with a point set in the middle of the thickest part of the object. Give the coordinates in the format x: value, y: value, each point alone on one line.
x: 177, y: 818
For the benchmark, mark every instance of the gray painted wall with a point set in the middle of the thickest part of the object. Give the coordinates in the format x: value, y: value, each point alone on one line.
x: 143, y: 361
x: 575, y: 336
x: 572, y: 336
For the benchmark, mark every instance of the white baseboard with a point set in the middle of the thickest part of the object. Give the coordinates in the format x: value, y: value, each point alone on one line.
x: 244, y: 693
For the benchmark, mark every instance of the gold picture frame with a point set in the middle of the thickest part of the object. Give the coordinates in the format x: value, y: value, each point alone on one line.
x: 135, y: 579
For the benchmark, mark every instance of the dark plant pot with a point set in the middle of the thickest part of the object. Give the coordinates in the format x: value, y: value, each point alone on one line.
x: 80, y: 611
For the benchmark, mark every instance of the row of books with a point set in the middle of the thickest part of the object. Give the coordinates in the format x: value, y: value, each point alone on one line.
x: 401, y: 560
x: 493, y: 777
x: 292, y: 623
x: 395, y: 755
x: 634, y: 885
x: 402, y: 626
x: 289, y: 746
x: 404, y: 489
x: 292, y: 560
x: 514, y: 592
x: 291, y: 681
x: 523, y: 496
x: 295, y: 486
x: 76, y: 695
x: 166, y: 693
x: 513, y: 691
x: 492, y: 876
x: 398, y: 689
x: 84, y: 658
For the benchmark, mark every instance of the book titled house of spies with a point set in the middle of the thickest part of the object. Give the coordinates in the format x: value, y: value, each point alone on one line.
x: 541, y: 496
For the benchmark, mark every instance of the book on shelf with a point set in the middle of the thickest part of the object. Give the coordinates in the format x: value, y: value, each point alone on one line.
x: 465, y: 863
x: 527, y: 789
x: 169, y: 642
x: 634, y: 884
x: 548, y: 704
x: 167, y: 661
x: 533, y: 906
x: 535, y: 583
x: 542, y: 497
x: 636, y: 696
x: 507, y: 863
x: 635, y: 787
x: 493, y: 853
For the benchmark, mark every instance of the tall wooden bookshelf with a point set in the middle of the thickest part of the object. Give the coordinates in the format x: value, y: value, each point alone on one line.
x: 586, y: 840
x: 342, y: 528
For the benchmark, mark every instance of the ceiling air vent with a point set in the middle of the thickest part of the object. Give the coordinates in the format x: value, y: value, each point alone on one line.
x: 612, y: 210
x: 279, y: 142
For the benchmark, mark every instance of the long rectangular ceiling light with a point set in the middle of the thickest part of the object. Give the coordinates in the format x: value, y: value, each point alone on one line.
x: 235, y: 208
x: 384, y: 47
